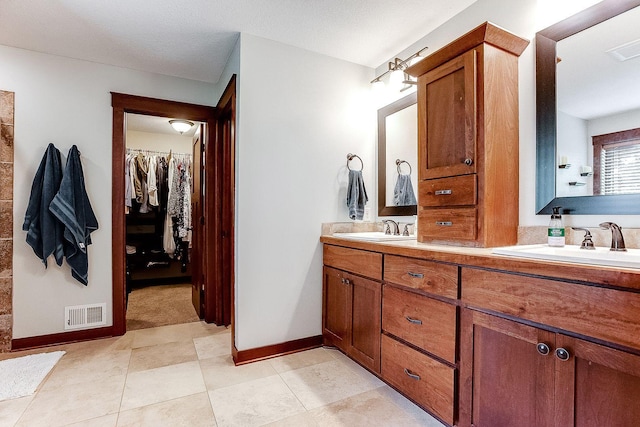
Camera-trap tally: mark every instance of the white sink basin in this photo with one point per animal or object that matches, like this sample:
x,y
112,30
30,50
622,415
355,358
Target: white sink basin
x,y
372,236
572,253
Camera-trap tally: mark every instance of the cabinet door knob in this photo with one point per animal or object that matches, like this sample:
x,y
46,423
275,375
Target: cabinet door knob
x,y
468,162
411,374
416,275
562,354
543,348
412,320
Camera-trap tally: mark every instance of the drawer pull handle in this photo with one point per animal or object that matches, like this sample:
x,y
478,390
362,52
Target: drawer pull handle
x,y
443,192
412,320
444,223
411,374
416,275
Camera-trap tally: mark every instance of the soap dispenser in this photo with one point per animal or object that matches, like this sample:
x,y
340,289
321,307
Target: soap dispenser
x,y
555,234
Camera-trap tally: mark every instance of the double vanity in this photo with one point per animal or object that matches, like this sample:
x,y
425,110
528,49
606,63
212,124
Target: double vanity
x,y
475,330
478,338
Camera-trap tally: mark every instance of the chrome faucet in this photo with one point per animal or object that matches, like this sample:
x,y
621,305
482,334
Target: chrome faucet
x,y
617,240
396,227
587,241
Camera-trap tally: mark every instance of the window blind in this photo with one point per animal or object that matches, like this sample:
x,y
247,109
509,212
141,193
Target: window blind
x,y
620,165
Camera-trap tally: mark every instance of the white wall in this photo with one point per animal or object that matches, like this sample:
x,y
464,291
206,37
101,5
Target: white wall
x,y
66,102
574,144
301,113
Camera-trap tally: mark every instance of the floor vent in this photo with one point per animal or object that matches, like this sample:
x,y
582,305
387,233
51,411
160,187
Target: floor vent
x,y
82,316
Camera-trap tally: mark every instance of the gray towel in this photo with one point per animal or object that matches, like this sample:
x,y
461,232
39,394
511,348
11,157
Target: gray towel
x,y
71,206
356,195
403,194
44,231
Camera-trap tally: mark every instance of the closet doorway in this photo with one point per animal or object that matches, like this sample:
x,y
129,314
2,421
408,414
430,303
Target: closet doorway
x,y
206,260
162,190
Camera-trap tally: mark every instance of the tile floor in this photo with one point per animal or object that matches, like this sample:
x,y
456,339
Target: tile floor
x,y
183,375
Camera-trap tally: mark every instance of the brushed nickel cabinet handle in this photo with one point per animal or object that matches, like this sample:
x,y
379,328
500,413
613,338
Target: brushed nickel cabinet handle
x,y
444,223
411,374
416,275
562,354
414,321
443,192
543,349
468,162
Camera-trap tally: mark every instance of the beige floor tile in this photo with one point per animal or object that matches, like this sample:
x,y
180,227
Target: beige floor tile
x,y
325,383
213,345
219,371
73,403
411,409
160,355
92,368
301,359
202,329
161,384
84,349
161,335
188,411
254,403
366,409
106,421
11,410
304,419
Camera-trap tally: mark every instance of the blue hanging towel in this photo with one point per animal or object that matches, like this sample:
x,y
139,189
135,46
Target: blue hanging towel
x,y
356,195
44,231
403,194
72,208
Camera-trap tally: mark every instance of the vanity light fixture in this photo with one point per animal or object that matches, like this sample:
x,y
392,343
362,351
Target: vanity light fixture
x,y
181,125
397,69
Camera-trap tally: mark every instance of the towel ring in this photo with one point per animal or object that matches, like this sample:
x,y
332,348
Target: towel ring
x,y
399,162
351,157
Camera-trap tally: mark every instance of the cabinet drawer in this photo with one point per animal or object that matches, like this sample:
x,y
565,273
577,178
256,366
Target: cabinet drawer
x,y
355,261
427,276
608,314
439,224
421,321
454,191
423,379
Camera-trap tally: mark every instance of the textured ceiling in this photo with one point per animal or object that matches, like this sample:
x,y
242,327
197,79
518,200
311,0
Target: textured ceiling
x,y
194,38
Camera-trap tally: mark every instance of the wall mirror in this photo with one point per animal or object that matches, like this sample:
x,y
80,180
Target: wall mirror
x,y
582,90
397,155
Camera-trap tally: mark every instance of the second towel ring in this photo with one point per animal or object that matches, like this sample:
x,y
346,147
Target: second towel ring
x,y
399,162
351,157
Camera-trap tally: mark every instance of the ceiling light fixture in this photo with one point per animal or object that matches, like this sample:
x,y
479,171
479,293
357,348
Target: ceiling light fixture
x,y
398,68
181,125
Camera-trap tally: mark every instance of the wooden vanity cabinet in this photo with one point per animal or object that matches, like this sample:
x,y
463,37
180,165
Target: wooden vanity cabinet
x,y
351,308
468,140
542,352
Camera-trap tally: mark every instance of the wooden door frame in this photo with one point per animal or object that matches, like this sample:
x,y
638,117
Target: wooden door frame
x,y
123,103
224,148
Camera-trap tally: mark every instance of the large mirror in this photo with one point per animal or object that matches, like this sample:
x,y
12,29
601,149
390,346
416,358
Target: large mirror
x,y
587,92
398,157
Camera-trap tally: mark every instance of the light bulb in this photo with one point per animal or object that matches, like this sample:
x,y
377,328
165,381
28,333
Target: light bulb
x,y
395,79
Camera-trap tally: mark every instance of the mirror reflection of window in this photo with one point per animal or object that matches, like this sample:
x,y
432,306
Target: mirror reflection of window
x,y
617,162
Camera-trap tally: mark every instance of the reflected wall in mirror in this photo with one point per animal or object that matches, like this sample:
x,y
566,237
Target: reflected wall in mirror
x,y
398,141
584,91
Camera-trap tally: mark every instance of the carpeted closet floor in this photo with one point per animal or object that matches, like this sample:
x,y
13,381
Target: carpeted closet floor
x,y
154,306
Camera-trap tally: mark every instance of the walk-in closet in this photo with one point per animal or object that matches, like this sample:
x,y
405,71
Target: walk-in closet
x,y
158,175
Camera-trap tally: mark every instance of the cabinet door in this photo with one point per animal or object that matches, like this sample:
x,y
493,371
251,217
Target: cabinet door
x,y
596,386
366,322
506,379
447,114
336,306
